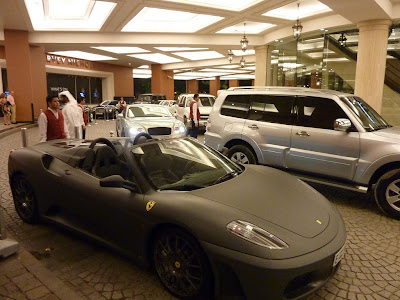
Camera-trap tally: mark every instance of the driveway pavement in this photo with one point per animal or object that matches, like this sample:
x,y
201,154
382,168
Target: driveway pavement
x,y
55,264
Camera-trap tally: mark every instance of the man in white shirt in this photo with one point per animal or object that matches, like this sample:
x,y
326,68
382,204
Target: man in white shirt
x,y
72,114
10,98
51,122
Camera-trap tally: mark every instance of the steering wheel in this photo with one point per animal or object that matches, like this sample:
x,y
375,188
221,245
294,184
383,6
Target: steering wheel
x,y
103,141
141,138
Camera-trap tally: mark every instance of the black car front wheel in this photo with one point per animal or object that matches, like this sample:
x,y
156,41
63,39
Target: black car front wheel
x,y
387,193
24,199
181,265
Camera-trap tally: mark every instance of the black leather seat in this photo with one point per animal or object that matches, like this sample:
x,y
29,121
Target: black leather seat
x,y
86,163
107,163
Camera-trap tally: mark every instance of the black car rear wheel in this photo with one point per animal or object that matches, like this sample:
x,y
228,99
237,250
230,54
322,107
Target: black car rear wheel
x,y
181,265
24,199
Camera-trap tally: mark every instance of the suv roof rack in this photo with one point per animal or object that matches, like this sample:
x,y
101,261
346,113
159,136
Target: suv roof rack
x,y
287,88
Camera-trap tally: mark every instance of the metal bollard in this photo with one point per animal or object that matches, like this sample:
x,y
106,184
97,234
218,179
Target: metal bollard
x,y
111,133
95,118
107,112
24,137
76,132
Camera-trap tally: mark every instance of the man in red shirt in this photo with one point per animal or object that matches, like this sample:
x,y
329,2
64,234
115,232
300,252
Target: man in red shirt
x,y
81,104
194,116
121,104
51,122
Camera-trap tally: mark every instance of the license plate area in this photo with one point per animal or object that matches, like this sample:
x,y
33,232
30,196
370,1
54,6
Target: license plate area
x,y
339,255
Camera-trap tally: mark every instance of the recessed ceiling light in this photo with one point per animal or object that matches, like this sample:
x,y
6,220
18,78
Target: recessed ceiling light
x,y
83,55
74,15
144,67
166,20
238,76
235,5
202,74
229,66
141,76
222,71
251,28
241,53
157,58
171,49
122,50
292,12
252,68
198,55
335,59
141,71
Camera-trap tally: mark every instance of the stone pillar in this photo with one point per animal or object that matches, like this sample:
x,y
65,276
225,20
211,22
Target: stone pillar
x,y
371,61
233,83
162,82
215,86
275,75
26,73
192,86
263,66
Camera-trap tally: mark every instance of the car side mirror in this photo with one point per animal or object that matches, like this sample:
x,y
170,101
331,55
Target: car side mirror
x,y
342,124
117,181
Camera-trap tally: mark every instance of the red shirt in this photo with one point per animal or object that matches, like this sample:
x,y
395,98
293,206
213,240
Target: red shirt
x,y
84,114
191,111
55,128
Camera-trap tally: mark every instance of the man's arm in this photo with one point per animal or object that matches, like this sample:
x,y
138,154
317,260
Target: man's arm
x,y
42,123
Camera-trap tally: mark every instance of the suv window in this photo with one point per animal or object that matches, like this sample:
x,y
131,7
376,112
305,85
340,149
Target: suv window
x,y
318,112
273,109
236,106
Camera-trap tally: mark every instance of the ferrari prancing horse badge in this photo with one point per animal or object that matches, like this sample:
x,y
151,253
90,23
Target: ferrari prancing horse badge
x,y
150,205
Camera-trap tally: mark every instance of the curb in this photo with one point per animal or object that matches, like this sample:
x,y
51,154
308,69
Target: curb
x,y
9,131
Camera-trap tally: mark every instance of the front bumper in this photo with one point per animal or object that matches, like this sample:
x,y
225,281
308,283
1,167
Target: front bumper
x,y
240,274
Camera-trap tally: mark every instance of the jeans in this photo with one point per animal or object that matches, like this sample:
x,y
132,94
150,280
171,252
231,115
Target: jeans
x,y
194,131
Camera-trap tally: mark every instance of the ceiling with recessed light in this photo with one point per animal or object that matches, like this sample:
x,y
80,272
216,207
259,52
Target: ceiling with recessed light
x,y
187,36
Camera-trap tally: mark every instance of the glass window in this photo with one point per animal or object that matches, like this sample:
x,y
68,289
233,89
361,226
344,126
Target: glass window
x,y
273,109
319,112
147,111
236,106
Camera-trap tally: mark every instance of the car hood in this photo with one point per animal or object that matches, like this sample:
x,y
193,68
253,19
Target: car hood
x,y
205,110
153,122
391,133
275,197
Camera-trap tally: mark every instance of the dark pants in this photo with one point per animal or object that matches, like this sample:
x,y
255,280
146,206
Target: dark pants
x,y
195,130
83,133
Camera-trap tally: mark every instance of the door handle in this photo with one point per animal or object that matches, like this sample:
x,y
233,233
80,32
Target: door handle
x,y
67,172
253,126
302,133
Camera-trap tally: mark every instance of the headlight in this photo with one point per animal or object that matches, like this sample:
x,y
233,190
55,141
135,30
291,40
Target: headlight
x,y
179,129
136,130
255,235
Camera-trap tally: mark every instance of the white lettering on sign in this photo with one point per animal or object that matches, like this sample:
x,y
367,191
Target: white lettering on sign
x,y
59,60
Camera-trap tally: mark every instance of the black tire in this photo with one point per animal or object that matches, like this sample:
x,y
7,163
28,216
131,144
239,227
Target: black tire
x,y
24,199
181,265
387,193
241,154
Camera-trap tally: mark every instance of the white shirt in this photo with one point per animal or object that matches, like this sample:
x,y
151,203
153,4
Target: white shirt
x,y
11,99
42,122
194,111
73,117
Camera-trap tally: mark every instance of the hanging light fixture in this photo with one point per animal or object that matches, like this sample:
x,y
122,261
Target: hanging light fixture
x,y
297,27
342,40
244,41
242,62
230,55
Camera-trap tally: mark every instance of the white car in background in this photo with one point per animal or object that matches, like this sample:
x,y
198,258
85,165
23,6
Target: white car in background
x,y
171,105
183,108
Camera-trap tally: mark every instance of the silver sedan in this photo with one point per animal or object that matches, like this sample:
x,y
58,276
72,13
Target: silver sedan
x,y
152,119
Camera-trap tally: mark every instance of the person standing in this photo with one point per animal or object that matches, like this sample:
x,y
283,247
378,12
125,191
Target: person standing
x,y
72,114
121,104
13,107
85,120
51,122
194,116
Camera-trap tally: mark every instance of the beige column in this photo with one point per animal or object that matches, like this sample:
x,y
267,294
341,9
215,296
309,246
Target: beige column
x,y
162,82
215,86
371,61
263,66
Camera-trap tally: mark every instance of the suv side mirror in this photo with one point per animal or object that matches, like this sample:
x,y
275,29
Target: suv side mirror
x,y
342,124
118,181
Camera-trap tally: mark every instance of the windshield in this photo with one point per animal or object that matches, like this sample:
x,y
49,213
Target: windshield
x,y
148,111
183,164
105,102
365,114
204,101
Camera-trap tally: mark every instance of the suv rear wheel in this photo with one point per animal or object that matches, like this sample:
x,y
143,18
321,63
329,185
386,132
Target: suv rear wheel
x,y
387,193
242,154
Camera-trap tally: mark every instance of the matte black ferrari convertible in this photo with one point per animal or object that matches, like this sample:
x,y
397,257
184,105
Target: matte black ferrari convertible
x,y
209,227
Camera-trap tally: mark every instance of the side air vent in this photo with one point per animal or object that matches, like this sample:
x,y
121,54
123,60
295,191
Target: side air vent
x,y
46,160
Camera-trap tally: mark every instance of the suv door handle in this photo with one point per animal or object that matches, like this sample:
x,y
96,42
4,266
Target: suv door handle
x,y
302,133
253,126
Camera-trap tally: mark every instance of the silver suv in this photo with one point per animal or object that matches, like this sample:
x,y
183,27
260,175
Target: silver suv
x,y
320,135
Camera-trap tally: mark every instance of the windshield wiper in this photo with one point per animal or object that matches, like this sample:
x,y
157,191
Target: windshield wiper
x,y
183,187
226,177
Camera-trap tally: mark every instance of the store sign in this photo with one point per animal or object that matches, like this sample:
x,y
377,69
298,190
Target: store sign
x,y
61,60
